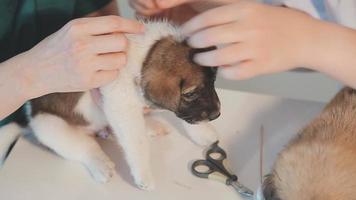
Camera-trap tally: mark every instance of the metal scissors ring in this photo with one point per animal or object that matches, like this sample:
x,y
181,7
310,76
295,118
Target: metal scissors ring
x,y
214,168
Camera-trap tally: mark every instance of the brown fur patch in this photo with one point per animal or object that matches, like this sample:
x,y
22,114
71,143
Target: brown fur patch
x,y
172,81
60,104
319,164
167,63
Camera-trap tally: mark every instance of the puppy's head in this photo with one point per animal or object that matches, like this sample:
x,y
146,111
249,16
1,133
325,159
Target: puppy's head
x,y
171,80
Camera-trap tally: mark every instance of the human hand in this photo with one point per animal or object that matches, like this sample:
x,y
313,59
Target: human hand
x,y
86,53
153,7
254,39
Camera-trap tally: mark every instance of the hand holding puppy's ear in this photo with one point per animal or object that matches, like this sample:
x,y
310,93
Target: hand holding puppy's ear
x,y
253,38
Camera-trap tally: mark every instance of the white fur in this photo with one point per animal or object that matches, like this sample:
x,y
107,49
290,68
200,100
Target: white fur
x,y
122,111
91,112
8,134
73,143
202,134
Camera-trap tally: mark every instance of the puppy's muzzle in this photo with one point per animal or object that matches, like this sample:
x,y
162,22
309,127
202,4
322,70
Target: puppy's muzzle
x,y
206,108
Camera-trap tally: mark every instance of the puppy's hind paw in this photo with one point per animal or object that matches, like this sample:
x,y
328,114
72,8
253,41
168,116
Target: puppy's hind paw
x,y
156,127
101,168
157,131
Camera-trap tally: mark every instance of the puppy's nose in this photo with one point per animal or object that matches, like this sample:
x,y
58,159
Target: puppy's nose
x,y
213,115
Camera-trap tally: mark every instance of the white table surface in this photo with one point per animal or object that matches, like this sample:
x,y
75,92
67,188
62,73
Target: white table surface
x,y
32,172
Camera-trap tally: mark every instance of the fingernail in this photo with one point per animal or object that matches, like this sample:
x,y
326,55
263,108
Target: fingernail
x,y
228,73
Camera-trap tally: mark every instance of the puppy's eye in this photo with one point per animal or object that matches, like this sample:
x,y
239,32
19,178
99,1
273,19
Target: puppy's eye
x,y
190,94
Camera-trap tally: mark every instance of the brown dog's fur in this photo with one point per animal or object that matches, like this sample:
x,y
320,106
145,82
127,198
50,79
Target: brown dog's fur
x,y
60,104
319,164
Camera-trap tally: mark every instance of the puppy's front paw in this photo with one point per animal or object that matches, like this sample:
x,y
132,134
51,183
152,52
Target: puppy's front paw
x,y
100,167
203,134
145,181
205,139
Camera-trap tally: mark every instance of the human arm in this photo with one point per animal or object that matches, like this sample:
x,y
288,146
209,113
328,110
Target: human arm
x,y
84,54
259,39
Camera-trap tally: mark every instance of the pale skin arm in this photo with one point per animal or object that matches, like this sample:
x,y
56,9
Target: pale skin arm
x,y
333,52
78,57
260,39
13,90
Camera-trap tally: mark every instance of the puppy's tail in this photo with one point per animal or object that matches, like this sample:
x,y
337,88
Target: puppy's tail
x,y
8,135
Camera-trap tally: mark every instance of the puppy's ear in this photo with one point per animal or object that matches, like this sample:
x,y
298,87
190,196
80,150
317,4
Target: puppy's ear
x,y
269,189
194,51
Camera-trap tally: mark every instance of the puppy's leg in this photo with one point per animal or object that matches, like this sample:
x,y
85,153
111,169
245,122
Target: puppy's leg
x,y
202,134
123,110
73,143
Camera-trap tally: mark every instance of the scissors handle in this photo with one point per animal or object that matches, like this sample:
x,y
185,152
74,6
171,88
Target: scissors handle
x,y
217,156
214,168
202,168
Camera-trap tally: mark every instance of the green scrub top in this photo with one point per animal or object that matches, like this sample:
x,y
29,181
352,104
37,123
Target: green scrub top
x,y
24,23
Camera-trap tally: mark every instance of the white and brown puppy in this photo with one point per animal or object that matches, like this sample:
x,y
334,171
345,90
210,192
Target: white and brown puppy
x,y
319,164
159,72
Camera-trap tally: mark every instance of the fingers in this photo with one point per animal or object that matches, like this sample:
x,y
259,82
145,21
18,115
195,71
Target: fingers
x,y
218,35
109,43
152,7
112,61
164,4
145,7
210,18
224,56
244,70
105,25
147,12
148,4
104,77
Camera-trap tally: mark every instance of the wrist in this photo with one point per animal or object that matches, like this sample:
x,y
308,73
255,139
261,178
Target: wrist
x,y
331,46
10,81
307,44
27,82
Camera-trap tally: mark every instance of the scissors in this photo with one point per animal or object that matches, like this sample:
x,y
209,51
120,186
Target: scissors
x,y
214,168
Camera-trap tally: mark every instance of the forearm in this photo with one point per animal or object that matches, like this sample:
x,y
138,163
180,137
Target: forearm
x,y
333,52
14,91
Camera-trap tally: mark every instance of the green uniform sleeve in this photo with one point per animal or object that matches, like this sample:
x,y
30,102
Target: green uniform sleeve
x,y
84,7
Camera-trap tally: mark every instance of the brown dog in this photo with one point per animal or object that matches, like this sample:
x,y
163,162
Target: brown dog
x,y
319,164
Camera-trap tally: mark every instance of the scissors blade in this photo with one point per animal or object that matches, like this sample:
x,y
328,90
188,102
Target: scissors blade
x,y
243,190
